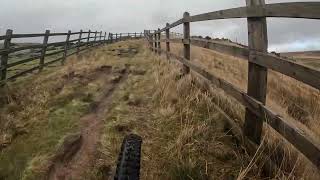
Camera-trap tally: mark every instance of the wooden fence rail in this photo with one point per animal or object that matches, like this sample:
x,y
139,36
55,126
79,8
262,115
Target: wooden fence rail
x,y
259,61
67,47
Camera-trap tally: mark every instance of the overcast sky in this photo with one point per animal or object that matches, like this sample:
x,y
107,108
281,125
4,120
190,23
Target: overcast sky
x,y
34,16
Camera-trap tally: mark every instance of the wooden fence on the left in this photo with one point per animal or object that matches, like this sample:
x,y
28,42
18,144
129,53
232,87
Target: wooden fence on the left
x,y
62,49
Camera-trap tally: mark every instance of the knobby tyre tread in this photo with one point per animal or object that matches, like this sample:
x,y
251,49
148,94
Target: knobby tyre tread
x,y
128,167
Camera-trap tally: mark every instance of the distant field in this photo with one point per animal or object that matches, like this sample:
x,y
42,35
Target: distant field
x,y
308,58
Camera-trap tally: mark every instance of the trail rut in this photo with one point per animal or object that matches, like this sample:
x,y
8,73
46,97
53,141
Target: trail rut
x,y
91,126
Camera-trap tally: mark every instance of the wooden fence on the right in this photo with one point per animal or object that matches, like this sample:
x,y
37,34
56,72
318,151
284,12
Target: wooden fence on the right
x,y
259,61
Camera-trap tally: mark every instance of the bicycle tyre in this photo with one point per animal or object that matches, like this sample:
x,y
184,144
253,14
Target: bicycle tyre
x,y
128,167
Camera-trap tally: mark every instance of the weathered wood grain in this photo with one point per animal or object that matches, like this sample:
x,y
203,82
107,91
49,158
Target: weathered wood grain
x,y
308,10
54,53
177,23
23,73
4,57
186,46
88,38
66,46
159,42
79,41
12,50
167,39
23,61
236,51
58,34
299,72
257,75
44,49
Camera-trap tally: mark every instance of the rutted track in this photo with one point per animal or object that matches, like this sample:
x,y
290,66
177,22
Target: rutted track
x,y
85,147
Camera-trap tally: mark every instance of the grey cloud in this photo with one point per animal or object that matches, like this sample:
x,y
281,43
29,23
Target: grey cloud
x,y
136,15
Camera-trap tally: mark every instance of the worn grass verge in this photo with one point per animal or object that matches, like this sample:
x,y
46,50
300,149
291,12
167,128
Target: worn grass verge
x,y
38,111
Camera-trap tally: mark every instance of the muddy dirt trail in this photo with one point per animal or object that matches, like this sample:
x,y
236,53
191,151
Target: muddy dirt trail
x,y
81,151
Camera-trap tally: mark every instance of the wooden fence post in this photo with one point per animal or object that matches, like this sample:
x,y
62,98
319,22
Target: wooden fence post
x,y
104,38
116,37
111,38
100,38
148,34
88,40
135,35
257,75
155,42
168,40
186,43
95,38
44,49
5,57
79,42
159,43
66,46
120,37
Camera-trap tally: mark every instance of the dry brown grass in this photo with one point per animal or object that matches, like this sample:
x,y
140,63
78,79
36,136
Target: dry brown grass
x,y
38,110
184,135
293,100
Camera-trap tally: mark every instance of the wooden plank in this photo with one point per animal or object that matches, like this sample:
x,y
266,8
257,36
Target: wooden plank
x,y
239,52
111,37
44,49
222,14
53,61
75,33
186,36
73,40
27,35
23,61
56,44
95,38
104,38
167,39
257,75
308,10
100,37
23,73
298,135
79,41
299,72
12,50
58,34
155,43
177,23
158,41
88,39
5,57
66,46
54,53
